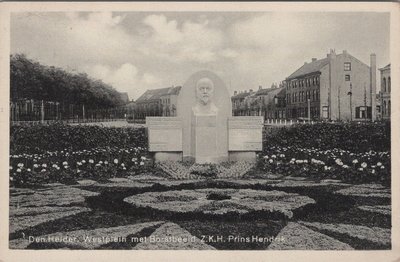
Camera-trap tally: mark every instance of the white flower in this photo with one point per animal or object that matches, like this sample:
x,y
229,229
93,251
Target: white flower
x,y
83,161
106,162
293,159
143,158
19,170
364,165
29,170
78,171
382,167
271,161
43,170
282,155
100,162
97,164
44,165
134,159
305,161
373,171
345,166
379,164
91,161
122,164
355,161
65,163
11,178
124,168
339,161
20,165
11,167
265,157
35,165
79,163
273,156
141,163
58,168
66,167
115,161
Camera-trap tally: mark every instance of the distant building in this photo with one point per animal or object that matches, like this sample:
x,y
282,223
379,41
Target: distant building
x,y
338,87
384,93
267,102
239,107
124,97
157,102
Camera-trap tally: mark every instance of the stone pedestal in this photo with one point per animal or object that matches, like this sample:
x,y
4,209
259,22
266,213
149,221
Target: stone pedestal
x,y
205,138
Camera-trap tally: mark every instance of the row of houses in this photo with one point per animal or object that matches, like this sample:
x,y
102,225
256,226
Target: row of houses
x,y
336,87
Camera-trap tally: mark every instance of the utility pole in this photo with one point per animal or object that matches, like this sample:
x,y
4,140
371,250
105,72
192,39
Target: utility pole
x,y
350,93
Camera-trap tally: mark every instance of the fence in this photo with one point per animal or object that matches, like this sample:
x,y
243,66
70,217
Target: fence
x,y
29,111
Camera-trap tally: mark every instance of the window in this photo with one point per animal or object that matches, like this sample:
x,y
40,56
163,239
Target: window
x,y
317,95
317,80
325,112
363,112
347,66
389,84
384,84
347,77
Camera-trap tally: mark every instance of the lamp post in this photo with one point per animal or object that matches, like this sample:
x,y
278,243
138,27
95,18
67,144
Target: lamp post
x,y
350,94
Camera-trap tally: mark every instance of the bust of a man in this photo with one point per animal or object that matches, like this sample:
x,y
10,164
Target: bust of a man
x,y
204,98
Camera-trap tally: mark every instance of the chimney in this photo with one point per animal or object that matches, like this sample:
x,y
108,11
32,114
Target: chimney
x,y
314,59
373,85
251,90
259,87
234,93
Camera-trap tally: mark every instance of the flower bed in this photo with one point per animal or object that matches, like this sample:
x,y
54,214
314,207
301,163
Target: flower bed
x,y
62,153
239,201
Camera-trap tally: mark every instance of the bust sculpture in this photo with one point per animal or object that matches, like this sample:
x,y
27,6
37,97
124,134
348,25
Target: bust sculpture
x,y
204,98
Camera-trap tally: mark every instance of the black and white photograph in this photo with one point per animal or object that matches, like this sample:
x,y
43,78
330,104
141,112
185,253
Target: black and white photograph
x,y
200,129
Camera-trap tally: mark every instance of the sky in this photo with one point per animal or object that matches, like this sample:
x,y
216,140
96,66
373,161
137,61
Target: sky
x,y
136,51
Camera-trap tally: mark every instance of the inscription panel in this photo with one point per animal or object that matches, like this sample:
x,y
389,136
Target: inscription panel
x,y
165,134
245,133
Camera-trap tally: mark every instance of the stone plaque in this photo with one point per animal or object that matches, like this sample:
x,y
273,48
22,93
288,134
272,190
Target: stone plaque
x,y
165,134
245,133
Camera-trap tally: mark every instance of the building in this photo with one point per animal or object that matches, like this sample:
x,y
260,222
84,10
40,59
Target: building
x,y
384,93
124,97
157,102
337,87
267,102
239,107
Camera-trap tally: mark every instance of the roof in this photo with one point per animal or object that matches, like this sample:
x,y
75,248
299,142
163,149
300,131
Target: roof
x,y
155,94
386,67
241,95
124,97
308,68
268,91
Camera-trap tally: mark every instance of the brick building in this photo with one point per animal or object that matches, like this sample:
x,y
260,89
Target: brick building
x,y
337,87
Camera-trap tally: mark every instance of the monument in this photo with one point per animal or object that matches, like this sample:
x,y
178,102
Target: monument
x,y
204,130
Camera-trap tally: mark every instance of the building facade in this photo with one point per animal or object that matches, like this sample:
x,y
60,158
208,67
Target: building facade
x,y
157,102
384,93
268,102
338,87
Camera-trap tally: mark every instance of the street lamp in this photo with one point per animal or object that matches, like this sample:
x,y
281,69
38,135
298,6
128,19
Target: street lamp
x,y
350,94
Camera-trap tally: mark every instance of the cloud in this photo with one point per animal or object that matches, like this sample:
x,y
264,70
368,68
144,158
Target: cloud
x,y
126,77
190,42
